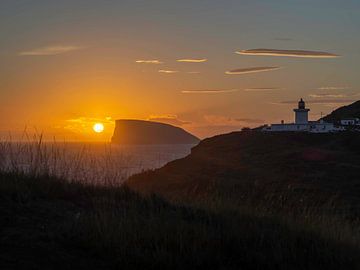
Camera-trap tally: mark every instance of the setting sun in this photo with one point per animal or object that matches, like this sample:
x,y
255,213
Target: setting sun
x,y
98,127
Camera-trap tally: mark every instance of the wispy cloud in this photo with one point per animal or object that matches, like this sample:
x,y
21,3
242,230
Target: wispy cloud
x,y
327,95
262,89
50,50
84,124
156,62
192,60
333,88
319,101
212,91
288,53
168,119
168,71
331,95
250,120
241,71
220,120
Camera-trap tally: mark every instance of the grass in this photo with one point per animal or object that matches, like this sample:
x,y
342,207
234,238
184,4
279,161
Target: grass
x,y
49,222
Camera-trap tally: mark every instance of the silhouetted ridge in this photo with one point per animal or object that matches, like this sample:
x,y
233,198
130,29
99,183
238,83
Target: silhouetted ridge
x,y
147,132
349,111
264,168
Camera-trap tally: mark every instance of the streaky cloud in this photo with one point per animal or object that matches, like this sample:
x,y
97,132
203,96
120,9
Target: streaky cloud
x,y
193,72
288,53
333,88
168,71
169,119
200,60
50,50
156,62
328,95
250,120
241,71
213,91
262,89
320,101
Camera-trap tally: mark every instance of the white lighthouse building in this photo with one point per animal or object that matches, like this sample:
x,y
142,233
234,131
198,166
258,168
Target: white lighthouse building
x,y
302,123
301,113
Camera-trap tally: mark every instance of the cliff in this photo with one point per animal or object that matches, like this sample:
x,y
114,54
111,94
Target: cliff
x,y
147,132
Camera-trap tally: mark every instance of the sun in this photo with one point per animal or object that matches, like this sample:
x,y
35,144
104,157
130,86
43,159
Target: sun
x,y
98,127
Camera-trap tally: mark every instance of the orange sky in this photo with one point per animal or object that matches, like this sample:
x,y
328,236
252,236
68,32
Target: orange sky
x,y
64,68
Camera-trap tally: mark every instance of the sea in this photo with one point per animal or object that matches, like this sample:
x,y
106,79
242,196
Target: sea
x,y
96,163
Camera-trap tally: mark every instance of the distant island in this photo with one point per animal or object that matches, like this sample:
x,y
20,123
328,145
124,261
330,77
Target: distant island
x,y
137,132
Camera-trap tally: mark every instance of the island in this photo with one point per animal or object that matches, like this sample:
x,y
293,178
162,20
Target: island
x,y
139,132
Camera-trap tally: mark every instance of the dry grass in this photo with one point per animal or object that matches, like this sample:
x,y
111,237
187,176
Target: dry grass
x,y
51,222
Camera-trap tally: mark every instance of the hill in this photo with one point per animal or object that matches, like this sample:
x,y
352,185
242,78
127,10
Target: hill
x,y
277,170
148,132
349,111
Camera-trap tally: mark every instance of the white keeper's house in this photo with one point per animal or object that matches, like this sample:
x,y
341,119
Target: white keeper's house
x,y
302,123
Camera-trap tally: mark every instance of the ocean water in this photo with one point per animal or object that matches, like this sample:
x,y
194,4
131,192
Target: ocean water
x,y
98,163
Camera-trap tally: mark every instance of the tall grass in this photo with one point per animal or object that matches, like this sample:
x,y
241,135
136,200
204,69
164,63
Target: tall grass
x,y
95,163
64,209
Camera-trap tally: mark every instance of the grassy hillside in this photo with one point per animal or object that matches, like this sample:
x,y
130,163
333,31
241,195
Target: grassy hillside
x,y
294,171
349,111
49,223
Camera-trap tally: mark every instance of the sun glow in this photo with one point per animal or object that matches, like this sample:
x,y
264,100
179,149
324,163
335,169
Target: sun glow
x,y
98,127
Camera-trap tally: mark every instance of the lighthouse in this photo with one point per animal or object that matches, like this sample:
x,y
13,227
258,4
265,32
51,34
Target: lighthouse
x,y
302,123
301,113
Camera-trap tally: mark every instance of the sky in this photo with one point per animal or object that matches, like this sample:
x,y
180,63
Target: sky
x,y
209,67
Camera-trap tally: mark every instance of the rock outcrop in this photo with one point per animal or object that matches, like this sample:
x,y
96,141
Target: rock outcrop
x,y
147,132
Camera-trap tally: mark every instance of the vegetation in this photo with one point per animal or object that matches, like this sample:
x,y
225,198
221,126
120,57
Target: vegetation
x,y
349,111
279,171
213,217
52,224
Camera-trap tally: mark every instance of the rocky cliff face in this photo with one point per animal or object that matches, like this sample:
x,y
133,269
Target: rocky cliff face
x,y
147,132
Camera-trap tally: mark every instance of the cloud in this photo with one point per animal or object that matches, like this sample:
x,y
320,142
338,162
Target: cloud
x,y
214,91
333,88
327,95
168,71
51,50
288,53
250,120
220,120
320,101
262,89
156,62
168,119
84,124
200,60
241,71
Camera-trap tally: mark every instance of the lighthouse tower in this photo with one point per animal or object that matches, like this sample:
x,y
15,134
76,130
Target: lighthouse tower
x,y
301,113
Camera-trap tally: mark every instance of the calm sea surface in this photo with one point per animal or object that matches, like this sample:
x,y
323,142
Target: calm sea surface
x,y
90,162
